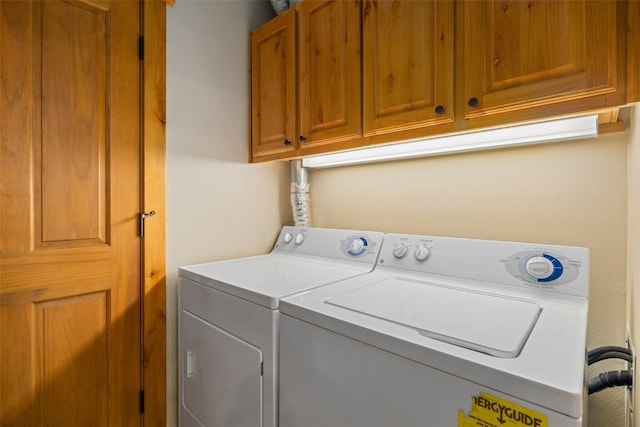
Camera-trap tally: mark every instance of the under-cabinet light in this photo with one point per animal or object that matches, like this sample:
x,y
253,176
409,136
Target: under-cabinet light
x,y
535,133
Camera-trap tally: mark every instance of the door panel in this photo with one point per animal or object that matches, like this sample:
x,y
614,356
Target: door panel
x,y
74,85
70,195
73,330
18,118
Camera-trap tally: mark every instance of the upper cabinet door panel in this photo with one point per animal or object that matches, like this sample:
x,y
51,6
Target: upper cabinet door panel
x,y
408,64
532,53
273,87
330,71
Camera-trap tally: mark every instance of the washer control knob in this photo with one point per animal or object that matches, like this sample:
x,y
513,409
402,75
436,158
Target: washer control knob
x,y
539,267
288,237
357,246
299,238
400,250
422,253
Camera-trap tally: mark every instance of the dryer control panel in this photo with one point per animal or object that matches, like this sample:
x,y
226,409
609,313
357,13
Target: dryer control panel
x,y
348,245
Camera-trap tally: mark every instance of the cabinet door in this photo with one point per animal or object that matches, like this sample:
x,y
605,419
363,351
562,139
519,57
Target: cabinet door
x,y
273,88
527,59
408,64
330,72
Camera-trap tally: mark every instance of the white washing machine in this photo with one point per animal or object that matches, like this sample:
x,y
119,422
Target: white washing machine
x,y
444,332
229,318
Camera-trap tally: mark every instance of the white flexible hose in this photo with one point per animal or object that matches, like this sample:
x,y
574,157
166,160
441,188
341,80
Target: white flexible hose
x,y
300,195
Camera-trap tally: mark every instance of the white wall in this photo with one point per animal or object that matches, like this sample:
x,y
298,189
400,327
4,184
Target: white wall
x,y
572,193
218,206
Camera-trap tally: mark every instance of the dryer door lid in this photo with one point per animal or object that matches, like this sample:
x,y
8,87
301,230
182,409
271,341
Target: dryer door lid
x,y
492,324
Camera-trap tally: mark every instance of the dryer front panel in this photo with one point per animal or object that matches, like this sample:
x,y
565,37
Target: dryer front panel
x,y
221,380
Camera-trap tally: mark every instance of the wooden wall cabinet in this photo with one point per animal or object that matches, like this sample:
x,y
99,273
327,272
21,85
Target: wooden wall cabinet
x,y
306,80
273,88
530,59
433,67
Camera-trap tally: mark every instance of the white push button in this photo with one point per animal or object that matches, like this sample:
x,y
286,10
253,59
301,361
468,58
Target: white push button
x,y
299,238
288,237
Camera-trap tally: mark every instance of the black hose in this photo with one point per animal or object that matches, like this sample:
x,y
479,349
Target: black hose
x,y
609,355
610,379
608,348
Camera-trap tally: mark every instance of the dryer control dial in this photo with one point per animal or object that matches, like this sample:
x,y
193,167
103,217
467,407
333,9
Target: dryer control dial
x,y
357,246
400,250
288,237
299,238
422,253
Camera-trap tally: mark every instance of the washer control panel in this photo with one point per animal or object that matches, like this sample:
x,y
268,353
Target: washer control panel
x,y
363,246
406,251
562,269
542,267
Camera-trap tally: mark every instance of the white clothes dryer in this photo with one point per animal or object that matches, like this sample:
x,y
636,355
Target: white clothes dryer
x,y
229,319
444,332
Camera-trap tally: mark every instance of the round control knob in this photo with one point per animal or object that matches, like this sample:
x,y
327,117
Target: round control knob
x,y
399,250
299,238
288,237
422,253
539,267
357,247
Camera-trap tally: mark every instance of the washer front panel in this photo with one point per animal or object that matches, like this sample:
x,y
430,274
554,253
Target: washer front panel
x,y
329,380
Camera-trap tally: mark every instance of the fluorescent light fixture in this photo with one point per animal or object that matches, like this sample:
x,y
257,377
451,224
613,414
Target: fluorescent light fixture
x,y
535,133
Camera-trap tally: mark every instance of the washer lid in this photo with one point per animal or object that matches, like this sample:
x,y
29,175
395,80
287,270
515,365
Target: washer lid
x,y
495,325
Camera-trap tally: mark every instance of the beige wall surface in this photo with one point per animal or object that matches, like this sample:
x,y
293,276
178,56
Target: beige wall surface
x,y
571,193
633,263
218,206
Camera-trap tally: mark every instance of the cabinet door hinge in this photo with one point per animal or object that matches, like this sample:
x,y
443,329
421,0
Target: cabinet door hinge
x,y
141,48
142,401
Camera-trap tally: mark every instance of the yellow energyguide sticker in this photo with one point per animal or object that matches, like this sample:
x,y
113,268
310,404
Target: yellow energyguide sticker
x,y
491,411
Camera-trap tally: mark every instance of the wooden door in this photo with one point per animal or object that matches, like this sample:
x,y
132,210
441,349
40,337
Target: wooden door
x,y
273,89
539,58
70,287
408,64
329,74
